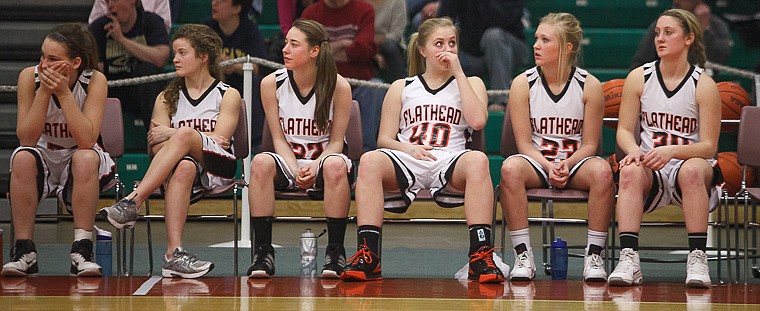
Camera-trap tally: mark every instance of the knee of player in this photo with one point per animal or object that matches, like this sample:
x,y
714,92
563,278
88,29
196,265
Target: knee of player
x,y
632,176
84,160
334,169
692,174
602,173
262,166
24,161
371,163
510,169
184,171
476,162
184,135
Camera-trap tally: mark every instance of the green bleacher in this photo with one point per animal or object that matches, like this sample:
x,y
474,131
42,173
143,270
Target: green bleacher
x,y
601,13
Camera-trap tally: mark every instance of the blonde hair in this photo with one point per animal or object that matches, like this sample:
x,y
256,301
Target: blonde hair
x,y
689,24
568,31
418,39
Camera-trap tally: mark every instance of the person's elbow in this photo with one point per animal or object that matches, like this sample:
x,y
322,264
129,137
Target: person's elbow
x,y
478,123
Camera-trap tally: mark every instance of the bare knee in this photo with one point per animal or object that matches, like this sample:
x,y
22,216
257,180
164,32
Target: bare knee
x,y
476,164
262,167
84,163
693,173
184,173
601,173
333,170
632,177
371,163
511,173
184,136
24,162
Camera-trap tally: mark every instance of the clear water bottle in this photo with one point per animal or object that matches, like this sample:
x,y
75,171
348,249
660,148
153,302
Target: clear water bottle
x,y
103,251
308,254
559,259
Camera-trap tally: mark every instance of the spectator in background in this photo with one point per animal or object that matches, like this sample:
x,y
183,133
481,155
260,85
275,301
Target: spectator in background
x,y
241,37
390,23
715,39
492,43
420,10
290,10
351,25
160,7
132,43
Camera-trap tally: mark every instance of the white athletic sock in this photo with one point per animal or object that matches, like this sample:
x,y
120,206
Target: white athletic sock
x,y
81,234
597,238
520,236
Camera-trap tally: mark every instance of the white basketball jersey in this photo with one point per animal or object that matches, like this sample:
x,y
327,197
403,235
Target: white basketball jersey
x,y
556,120
668,117
433,117
200,114
297,118
55,134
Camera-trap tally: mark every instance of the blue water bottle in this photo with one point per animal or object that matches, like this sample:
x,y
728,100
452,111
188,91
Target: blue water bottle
x,y
103,251
559,259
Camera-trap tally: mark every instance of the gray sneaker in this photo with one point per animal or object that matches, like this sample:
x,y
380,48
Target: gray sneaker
x,y
122,214
184,264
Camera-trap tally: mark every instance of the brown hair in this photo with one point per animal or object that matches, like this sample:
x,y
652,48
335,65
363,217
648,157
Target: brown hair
x,y
569,31
205,42
689,24
327,72
418,39
79,42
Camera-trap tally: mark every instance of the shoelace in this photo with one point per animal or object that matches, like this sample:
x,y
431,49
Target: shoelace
x,y
695,263
260,255
626,260
485,253
522,259
596,261
362,253
334,254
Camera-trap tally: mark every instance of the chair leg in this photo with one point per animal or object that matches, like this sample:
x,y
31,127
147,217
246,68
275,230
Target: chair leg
x,y
119,271
150,237
235,192
544,232
503,224
746,236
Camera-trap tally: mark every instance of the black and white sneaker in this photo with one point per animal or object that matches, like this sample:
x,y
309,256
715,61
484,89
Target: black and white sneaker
x,y
23,260
262,264
335,262
82,263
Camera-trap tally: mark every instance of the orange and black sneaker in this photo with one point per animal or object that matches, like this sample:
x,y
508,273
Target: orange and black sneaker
x,y
362,266
482,267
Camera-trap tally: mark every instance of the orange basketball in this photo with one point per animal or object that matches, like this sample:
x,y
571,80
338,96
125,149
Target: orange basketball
x,y
732,99
732,172
612,90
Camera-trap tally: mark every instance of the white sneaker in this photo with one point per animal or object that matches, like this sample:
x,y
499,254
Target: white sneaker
x,y
697,271
628,270
593,268
524,268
